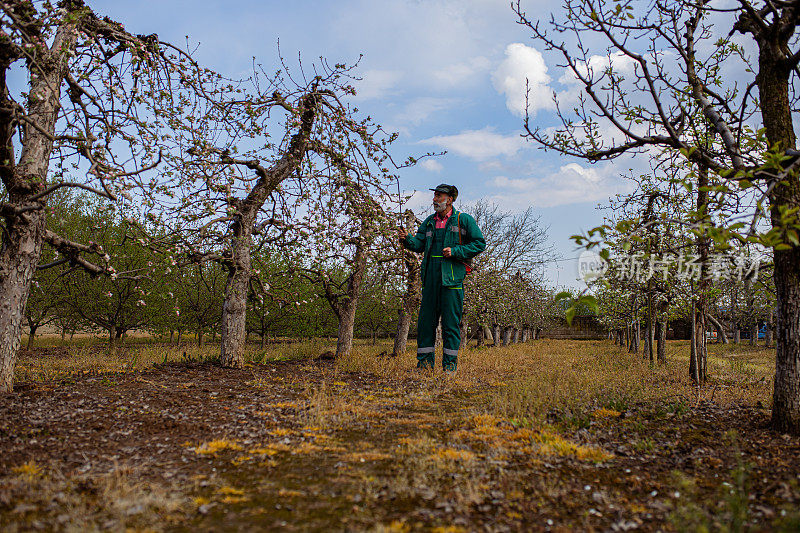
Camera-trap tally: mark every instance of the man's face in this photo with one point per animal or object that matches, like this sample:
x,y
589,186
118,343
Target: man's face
x,y
441,201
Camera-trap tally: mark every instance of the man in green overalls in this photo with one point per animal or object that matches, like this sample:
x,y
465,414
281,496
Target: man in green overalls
x,y
450,239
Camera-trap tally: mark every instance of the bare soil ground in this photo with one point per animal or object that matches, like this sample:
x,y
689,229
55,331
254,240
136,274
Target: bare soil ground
x,y
370,444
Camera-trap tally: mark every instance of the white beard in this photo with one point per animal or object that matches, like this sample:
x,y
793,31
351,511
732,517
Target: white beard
x,y
440,207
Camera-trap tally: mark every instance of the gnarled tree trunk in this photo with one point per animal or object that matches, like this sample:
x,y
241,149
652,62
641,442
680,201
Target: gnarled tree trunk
x,y
411,298
24,233
345,308
721,335
507,336
234,306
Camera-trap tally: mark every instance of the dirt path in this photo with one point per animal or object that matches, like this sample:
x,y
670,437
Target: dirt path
x,y
302,446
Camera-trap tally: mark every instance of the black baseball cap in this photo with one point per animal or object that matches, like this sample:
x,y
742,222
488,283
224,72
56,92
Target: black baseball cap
x,y
452,190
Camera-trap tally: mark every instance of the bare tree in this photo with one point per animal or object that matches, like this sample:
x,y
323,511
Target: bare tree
x,y
669,104
88,80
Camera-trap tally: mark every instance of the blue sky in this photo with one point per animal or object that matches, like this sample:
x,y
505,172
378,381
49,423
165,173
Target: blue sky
x,y
446,74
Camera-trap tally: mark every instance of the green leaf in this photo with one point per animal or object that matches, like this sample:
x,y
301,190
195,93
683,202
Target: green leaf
x,y
591,302
563,295
570,314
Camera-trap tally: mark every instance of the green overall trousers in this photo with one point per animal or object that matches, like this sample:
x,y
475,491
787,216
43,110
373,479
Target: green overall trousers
x,y
439,301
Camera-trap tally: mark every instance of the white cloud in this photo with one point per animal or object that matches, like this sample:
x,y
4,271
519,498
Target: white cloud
x,y
441,45
376,83
431,165
621,64
458,73
479,144
597,65
523,70
571,184
420,109
421,202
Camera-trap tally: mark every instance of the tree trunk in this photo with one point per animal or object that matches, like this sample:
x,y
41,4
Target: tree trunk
x,y
506,336
464,335
721,335
403,327
180,334
347,321
31,336
23,235
776,111
753,333
486,334
650,326
693,366
786,395
496,335
633,345
661,353
412,295
234,306
768,332
663,323
737,336
347,308
199,337
699,359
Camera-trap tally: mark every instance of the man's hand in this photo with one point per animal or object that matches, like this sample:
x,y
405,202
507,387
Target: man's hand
x,y
447,252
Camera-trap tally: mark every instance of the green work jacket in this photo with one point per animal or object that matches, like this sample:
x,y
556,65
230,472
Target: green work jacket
x,y
453,268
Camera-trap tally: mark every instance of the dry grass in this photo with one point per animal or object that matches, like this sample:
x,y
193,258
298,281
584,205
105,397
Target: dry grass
x,y
503,406
48,500
91,354
576,378
570,379
86,357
